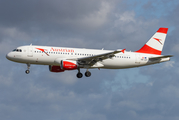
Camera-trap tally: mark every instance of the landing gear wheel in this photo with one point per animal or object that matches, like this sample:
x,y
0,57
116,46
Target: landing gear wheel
x,y
27,71
79,75
87,73
28,67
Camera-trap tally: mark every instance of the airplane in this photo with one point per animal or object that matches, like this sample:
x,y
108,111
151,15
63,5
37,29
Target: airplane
x,y
60,59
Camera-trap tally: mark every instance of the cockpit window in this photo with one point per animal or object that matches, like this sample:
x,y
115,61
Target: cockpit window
x,y
17,50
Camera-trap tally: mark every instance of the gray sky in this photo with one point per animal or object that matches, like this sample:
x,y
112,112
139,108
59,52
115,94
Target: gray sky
x,y
144,93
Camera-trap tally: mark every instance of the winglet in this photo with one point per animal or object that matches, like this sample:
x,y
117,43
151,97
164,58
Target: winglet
x,y
123,50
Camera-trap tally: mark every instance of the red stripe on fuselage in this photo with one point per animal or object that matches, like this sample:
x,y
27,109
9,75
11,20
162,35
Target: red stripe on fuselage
x,y
149,50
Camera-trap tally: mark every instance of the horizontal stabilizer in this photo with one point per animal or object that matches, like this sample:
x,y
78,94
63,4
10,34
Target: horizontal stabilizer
x,y
160,57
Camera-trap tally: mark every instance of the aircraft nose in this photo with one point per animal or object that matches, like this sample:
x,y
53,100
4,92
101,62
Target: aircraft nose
x,y
8,56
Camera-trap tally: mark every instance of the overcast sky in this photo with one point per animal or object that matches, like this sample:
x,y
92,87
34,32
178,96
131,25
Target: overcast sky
x,y
145,93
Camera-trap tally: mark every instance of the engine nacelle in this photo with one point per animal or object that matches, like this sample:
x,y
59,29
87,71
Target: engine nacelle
x,y
53,68
69,65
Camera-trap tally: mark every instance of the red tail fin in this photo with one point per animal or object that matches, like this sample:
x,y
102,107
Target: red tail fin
x,y
156,43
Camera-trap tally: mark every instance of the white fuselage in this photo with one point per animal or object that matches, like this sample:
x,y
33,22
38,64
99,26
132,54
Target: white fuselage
x,y
44,55
60,59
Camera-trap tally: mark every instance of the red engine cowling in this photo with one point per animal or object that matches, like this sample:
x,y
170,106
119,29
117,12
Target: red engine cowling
x,y
68,65
53,68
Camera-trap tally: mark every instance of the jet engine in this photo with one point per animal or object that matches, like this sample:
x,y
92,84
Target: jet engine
x,y
68,65
53,68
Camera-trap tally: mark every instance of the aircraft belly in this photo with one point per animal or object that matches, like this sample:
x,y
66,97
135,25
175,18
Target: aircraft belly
x,y
36,59
118,63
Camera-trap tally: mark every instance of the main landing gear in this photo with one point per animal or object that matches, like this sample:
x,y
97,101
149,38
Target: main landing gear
x,y
80,75
87,73
28,67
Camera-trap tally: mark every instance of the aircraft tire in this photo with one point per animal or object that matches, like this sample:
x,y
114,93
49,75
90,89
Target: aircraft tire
x,y
79,75
27,71
87,73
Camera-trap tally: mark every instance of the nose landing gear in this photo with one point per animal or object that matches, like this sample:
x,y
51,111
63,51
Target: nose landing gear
x,y
28,67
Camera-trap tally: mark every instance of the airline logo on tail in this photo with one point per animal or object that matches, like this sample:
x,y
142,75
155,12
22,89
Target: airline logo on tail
x,y
159,40
151,47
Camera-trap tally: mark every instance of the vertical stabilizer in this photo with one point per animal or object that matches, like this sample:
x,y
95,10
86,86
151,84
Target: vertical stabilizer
x,y
156,43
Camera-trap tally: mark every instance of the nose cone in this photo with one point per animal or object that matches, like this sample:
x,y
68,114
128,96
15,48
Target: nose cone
x,y
9,56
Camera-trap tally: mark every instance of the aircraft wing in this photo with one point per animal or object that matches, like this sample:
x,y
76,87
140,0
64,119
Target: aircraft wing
x,y
96,58
160,57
